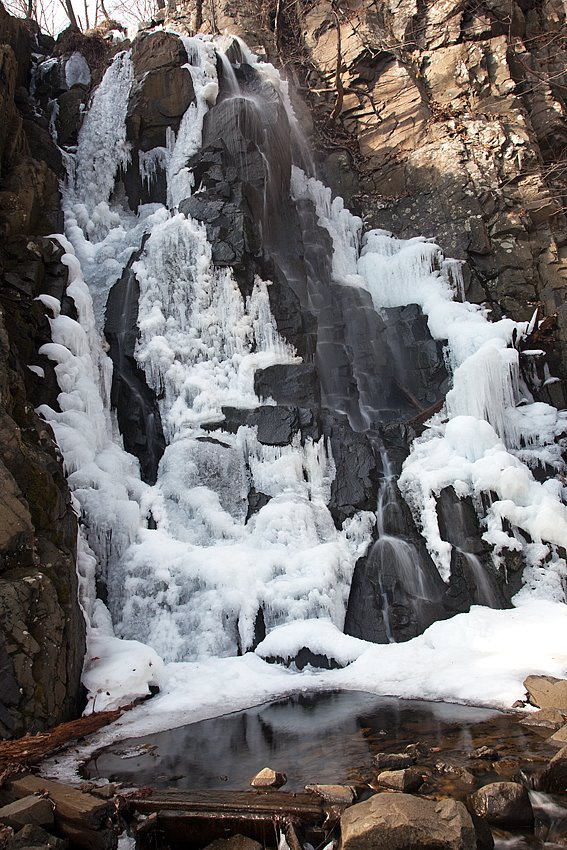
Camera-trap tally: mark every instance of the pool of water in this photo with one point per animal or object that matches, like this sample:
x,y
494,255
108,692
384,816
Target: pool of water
x,y
327,738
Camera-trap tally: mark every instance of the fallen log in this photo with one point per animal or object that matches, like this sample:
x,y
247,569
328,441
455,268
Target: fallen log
x,y
265,803
193,819
32,749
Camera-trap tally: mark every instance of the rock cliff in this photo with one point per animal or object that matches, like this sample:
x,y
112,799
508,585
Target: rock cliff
x,y
41,626
445,119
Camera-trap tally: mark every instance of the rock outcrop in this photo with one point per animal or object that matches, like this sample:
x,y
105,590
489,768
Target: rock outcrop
x,y
443,119
41,625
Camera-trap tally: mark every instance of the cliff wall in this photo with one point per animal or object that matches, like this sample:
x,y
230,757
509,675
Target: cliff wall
x,y
445,119
41,625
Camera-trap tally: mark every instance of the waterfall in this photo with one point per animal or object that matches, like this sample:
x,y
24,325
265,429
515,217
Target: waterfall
x,y
267,352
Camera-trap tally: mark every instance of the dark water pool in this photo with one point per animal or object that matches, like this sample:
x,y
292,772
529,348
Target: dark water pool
x,y
325,738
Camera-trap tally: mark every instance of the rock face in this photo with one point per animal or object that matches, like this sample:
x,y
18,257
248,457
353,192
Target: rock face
x,y
555,775
447,120
398,821
41,626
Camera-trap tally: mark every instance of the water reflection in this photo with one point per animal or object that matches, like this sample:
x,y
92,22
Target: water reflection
x,y
327,738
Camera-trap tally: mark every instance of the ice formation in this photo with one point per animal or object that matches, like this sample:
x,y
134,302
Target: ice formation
x,y
187,571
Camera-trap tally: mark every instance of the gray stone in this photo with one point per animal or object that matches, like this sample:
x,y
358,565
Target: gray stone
x,y
393,761
338,794
505,804
291,384
407,780
545,719
400,821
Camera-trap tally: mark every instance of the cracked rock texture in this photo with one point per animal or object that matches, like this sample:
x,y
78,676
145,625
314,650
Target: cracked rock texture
x,y
453,114
41,625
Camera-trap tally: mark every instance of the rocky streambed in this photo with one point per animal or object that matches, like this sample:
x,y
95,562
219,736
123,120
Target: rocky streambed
x,y
362,771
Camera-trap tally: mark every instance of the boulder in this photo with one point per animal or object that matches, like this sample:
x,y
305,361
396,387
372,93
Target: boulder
x,y
504,804
547,692
268,778
27,810
400,821
407,780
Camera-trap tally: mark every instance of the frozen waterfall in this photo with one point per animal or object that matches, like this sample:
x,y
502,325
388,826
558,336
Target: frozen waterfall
x,y
261,340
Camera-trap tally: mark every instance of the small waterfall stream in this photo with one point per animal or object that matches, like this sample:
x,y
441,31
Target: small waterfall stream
x,y
272,368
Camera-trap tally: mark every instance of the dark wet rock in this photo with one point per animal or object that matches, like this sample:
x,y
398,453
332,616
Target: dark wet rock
x,y
135,403
355,486
305,657
489,753
31,835
473,581
458,522
399,821
289,384
504,804
27,810
407,780
158,101
69,116
152,51
256,501
396,592
554,777
235,842
393,761
276,424
229,223
41,626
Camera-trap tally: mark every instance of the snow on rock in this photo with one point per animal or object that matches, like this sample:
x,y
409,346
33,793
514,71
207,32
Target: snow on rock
x,y
117,672
320,636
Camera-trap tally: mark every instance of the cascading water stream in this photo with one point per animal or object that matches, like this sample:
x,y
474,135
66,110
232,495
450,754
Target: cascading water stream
x,y
264,336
